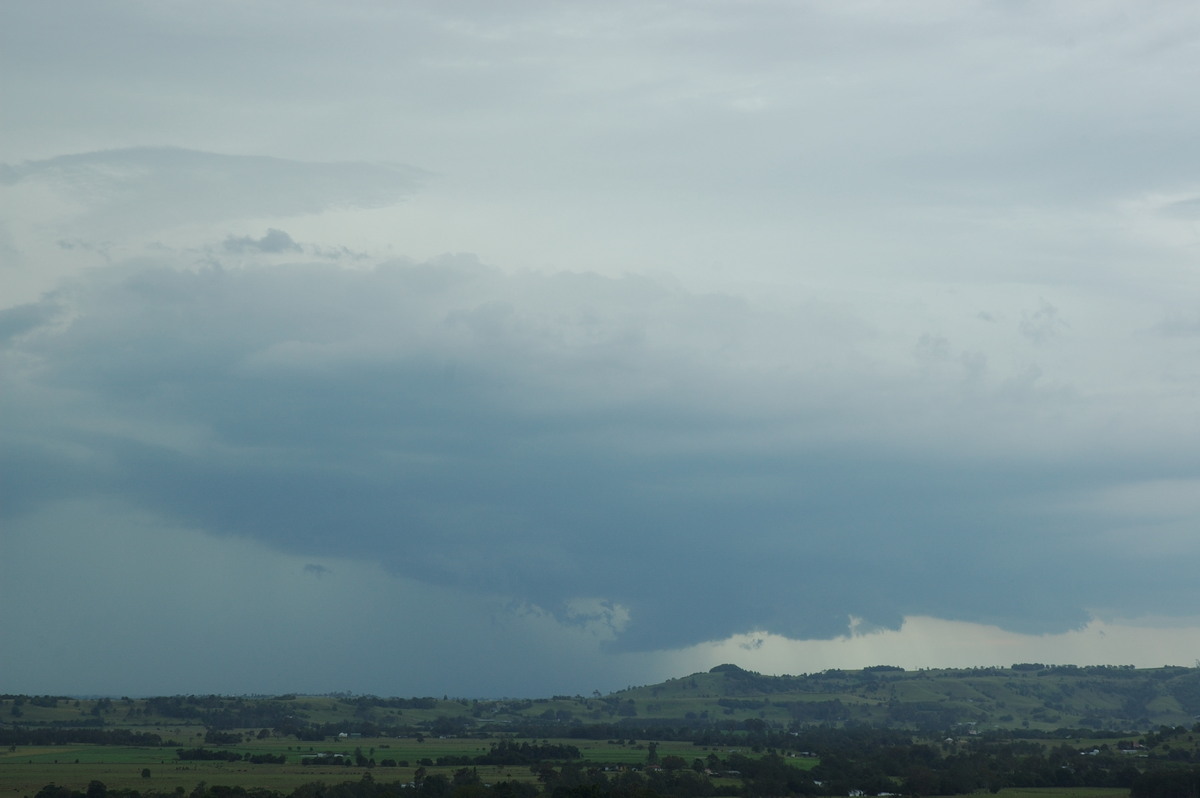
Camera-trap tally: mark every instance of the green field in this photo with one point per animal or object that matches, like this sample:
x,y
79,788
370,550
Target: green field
x,y
25,771
28,768
1062,792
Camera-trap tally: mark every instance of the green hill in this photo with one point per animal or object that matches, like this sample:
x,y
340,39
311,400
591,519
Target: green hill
x,y
1025,696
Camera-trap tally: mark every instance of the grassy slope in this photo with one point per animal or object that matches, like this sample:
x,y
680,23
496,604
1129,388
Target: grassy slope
x,y
1000,698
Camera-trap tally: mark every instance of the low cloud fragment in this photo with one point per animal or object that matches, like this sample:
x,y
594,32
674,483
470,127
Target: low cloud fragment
x,y
274,241
1042,325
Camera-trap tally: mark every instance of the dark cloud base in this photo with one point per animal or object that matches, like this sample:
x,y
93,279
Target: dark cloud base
x,y
545,437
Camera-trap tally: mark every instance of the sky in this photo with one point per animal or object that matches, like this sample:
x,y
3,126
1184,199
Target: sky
x,y
540,348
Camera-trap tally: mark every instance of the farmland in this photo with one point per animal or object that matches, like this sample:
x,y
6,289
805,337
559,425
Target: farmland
x,y
725,732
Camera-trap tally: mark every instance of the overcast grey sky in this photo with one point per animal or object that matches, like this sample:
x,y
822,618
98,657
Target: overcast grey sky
x,y
529,348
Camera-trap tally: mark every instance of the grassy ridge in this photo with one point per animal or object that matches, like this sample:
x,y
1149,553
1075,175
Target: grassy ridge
x,y
1035,697
1030,697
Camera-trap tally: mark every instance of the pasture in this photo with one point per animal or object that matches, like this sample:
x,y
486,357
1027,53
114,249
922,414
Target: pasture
x,y
27,769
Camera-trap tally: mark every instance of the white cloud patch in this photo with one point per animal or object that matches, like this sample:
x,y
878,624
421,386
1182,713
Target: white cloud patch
x,y
605,619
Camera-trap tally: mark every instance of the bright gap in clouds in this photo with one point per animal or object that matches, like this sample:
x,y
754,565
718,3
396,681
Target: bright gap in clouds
x,y
923,642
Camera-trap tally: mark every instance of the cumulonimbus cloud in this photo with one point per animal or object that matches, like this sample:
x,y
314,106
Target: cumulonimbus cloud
x,y
690,459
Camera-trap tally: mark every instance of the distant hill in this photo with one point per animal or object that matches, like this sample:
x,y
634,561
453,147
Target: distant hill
x,y
1029,696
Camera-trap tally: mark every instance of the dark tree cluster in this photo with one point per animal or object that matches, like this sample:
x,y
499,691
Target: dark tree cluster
x,y
216,755
509,752
63,735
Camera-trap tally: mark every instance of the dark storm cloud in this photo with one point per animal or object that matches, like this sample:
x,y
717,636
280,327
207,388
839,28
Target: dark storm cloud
x,y
560,436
